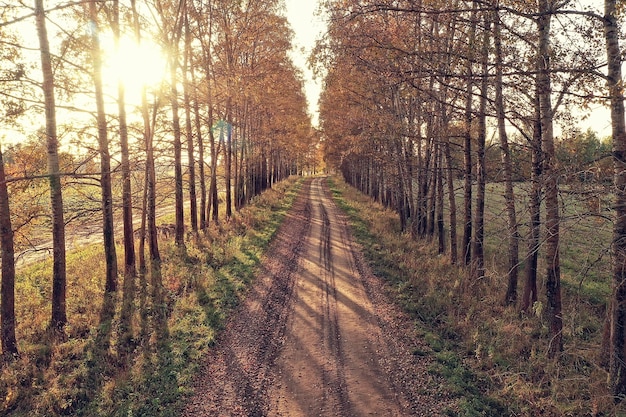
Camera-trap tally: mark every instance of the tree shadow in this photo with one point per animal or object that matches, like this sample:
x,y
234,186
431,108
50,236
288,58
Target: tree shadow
x,y
159,377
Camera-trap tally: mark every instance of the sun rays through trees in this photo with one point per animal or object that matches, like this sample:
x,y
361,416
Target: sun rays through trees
x,y
142,121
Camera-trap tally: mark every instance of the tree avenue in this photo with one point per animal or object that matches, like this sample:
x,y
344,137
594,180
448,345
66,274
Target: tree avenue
x,y
119,110
145,129
481,99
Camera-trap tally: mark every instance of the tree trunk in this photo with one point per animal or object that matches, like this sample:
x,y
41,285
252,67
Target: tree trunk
x,y
478,252
451,203
553,268
144,222
201,174
534,206
59,277
153,241
178,169
213,196
7,286
105,159
229,162
150,180
440,221
193,202
130,271
509,196
236,138
467,146
617,368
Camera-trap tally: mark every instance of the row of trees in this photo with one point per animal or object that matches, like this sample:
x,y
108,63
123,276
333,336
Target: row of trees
x,y
413,91
229,119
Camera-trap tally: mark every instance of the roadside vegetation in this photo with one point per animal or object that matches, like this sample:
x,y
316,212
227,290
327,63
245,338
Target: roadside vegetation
x,y
492,355
201,285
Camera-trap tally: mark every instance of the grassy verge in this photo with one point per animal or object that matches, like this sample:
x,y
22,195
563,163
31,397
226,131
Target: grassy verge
x,y
201,285
492,357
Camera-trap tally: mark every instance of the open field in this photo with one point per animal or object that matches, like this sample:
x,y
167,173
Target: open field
x,y
586,233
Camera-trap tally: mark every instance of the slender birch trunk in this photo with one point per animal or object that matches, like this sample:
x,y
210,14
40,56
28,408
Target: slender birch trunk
x,y
617,355
59,274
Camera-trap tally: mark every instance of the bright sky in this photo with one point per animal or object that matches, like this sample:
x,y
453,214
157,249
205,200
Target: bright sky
x,y
307,27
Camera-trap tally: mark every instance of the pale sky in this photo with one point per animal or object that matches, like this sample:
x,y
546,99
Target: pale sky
x,y
307,27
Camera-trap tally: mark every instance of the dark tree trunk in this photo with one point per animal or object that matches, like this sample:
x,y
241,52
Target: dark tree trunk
x,y
617,359
553,268
7,286
534,206
452,204
513,249
478,252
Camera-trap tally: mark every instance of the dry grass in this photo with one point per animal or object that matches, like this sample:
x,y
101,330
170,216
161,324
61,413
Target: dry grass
x,y
504,350
200,287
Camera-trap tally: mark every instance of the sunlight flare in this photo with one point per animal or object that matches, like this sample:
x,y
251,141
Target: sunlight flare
x,y
137,65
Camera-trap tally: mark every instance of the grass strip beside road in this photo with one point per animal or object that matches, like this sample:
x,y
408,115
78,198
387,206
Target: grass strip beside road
x,y
201,286
410,270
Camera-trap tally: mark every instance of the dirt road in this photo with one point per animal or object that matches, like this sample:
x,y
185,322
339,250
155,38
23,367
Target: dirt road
x,y
316,335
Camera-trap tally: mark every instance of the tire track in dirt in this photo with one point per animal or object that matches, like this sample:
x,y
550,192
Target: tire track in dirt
x,y
329,364
236,374
316,335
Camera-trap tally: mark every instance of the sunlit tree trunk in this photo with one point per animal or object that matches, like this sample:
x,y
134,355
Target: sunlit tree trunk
x,y
440,221
237,137
426,177
144,222
229,159
59,277
213,196
617,355
205,27
7,286
178,169
445,134
201,173
105,159
150,174
432,185
240,188
193,202
127,204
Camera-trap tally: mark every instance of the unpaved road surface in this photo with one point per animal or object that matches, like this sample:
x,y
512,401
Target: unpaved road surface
x,y
316,335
